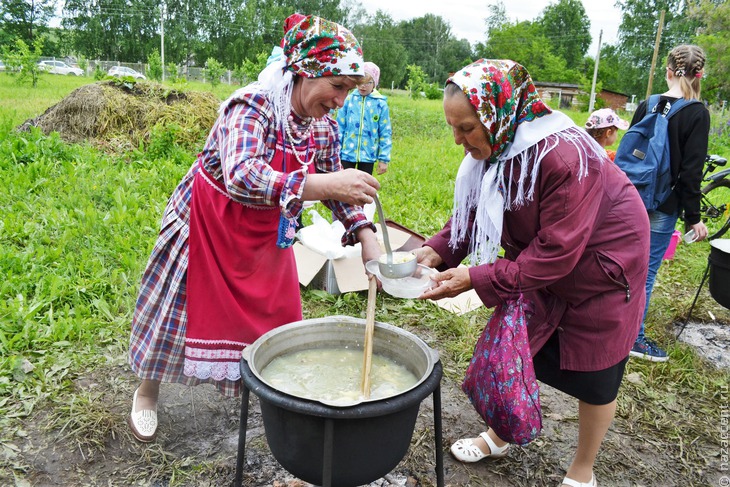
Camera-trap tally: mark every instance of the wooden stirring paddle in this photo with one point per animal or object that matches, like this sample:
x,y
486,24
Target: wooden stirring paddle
x,y
368,344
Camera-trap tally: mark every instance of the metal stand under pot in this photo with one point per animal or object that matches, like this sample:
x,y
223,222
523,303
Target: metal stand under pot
x,y
718,270
334,446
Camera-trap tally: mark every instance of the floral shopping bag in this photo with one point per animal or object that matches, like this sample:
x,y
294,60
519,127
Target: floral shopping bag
x,y
500,380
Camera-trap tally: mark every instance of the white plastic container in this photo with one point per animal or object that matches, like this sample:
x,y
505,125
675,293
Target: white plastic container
x,y
407,287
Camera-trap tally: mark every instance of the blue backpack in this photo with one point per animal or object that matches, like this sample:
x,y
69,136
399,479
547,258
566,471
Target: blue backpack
x,y
643,153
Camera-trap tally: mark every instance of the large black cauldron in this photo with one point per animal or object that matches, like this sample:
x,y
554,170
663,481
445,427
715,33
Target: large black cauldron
x,y
340,446
719,262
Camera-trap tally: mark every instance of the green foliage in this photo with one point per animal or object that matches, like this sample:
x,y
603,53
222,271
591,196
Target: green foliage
x,y
154,66
213,71
584,98
239,76
114,29
433,92
99,73
527,43
714,38
720,134
83,63
19,102
69,262
610,69
165,143
638,29
26,21
25,60
250,70
416,80
567,27
173,74
385,47
496,17
552,45
429,36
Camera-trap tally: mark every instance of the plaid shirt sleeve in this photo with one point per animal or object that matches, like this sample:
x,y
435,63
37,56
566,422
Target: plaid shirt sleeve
x,y
244,149
246,142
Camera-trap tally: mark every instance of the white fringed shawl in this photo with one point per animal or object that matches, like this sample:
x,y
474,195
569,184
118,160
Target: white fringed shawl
x,y
482,187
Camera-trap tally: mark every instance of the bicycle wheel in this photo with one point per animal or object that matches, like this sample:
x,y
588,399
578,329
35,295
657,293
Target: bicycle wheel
x,y
715,208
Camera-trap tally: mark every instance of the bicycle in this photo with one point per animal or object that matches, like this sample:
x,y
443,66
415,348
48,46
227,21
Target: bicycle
x,y
715,203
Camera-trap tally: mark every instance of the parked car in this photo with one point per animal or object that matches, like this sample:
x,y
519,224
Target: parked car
x,y
59,67
2,65
125,71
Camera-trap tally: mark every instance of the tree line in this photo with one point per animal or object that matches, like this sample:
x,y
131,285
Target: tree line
x,y
237,33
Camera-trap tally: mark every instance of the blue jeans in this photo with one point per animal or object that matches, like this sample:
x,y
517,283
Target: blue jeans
x,y
662,228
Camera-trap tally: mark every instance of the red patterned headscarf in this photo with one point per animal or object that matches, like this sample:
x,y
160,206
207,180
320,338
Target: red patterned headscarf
x,y
315,47
503,94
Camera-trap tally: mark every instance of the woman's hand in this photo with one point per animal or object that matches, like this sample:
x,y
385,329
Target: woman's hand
x,y
428,257
369,243
348,186
700,231
449,284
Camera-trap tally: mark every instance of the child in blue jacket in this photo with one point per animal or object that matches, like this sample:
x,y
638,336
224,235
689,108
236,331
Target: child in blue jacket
x,y
365,131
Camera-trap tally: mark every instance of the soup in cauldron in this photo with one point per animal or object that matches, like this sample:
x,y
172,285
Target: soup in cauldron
x,y
333,375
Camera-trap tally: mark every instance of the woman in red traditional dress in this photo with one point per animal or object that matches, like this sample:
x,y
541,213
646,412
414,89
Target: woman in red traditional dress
x,y
222,272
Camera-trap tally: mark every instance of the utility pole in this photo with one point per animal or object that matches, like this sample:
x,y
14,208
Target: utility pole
x,y
591,103
162,38
656,53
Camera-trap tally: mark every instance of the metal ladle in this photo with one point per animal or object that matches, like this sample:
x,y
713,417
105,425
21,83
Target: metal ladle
x,y
388,268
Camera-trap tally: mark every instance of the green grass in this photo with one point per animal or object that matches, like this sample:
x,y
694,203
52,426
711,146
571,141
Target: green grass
x,y
77,226
19,102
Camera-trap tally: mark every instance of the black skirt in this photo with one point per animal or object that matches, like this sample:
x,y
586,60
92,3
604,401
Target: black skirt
x,y
597,388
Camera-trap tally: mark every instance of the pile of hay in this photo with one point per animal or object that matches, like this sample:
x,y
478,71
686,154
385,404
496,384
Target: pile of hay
x,y
120,116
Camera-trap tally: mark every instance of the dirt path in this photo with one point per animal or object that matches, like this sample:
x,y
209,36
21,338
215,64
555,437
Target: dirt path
x,y
198,438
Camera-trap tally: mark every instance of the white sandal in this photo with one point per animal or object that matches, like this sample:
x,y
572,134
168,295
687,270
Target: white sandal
x,y
575,483
143,423
466,451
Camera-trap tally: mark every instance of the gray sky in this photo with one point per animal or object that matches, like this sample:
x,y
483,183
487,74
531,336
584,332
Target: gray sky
x,y
467,16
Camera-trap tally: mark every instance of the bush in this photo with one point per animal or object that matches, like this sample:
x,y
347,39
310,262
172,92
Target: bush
x,y
99,73
250,69
25,60
83,63
172,73
433,92
213,71
154,66
416,80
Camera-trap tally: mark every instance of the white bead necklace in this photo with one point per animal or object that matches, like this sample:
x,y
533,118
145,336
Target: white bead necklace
x,y
293,145
301,135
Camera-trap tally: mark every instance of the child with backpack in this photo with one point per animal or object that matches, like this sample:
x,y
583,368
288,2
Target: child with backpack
x,y
603,126
682,133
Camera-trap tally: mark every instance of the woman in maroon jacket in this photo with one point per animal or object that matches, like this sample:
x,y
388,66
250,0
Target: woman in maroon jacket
x,y
575,237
